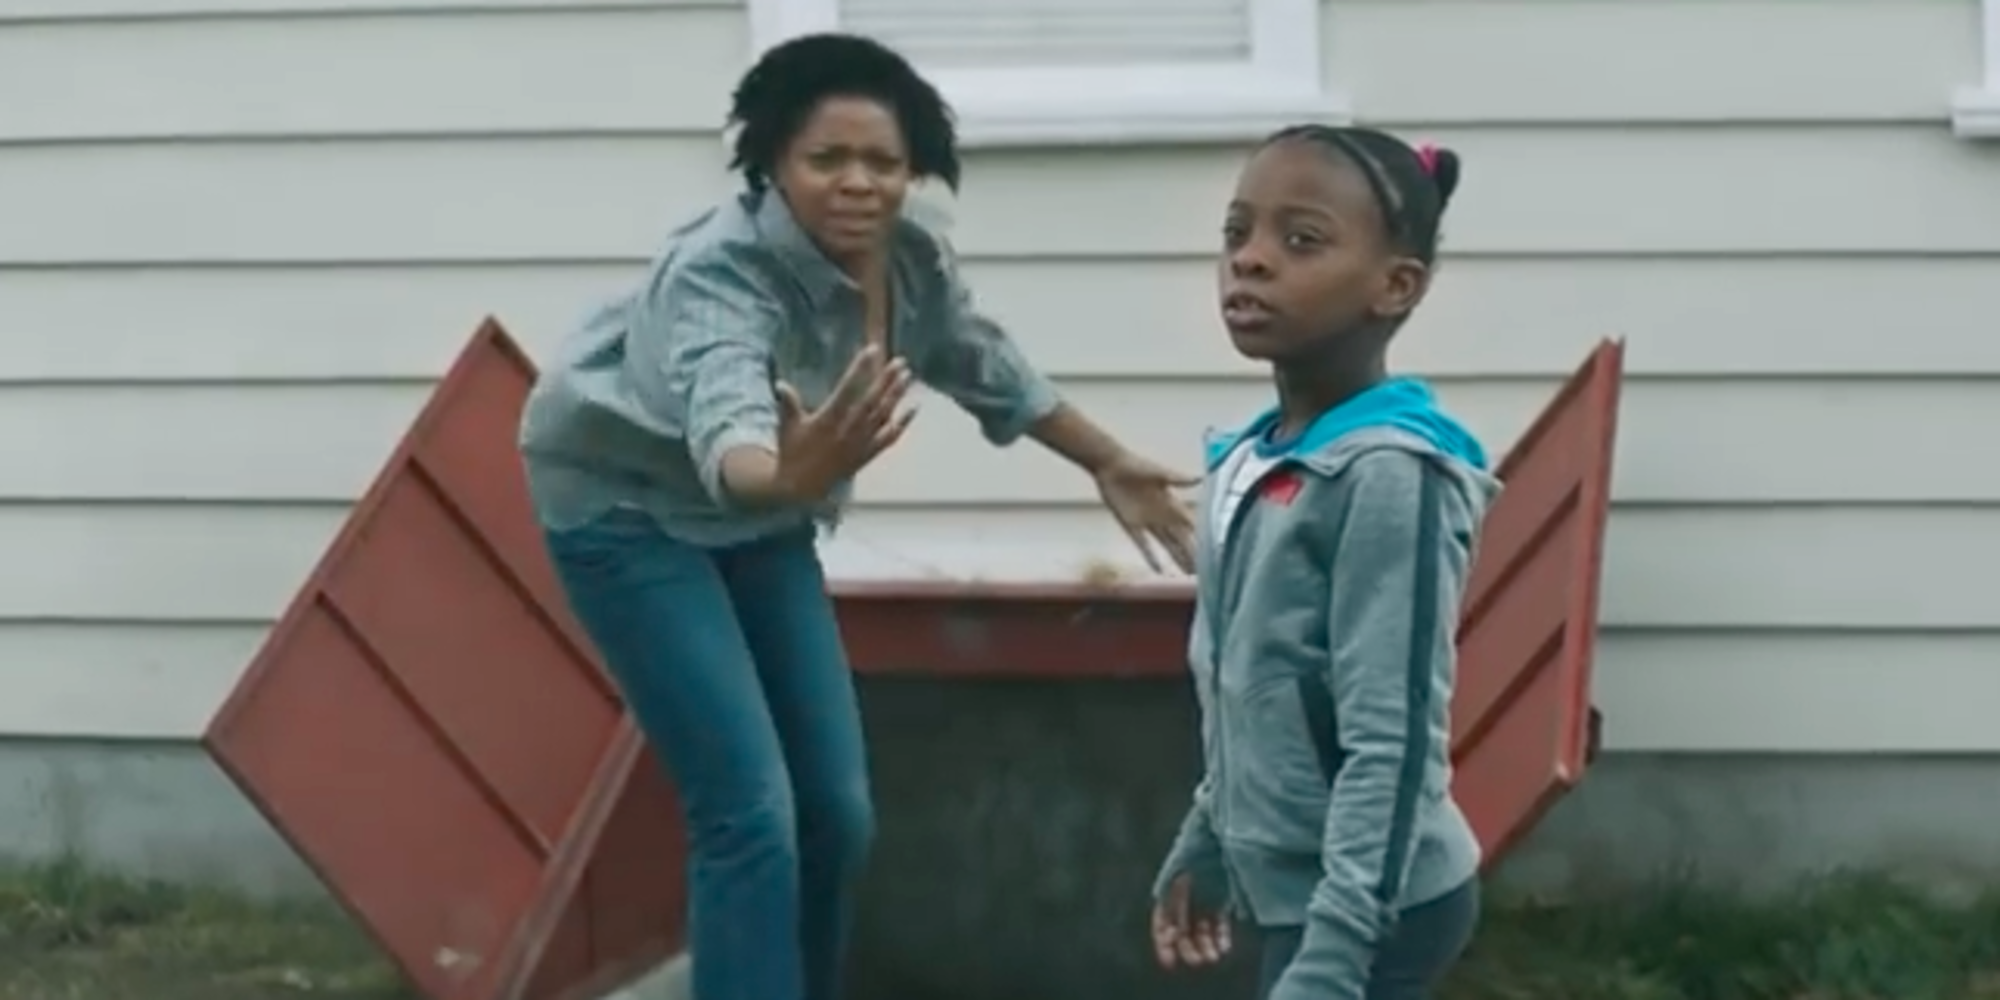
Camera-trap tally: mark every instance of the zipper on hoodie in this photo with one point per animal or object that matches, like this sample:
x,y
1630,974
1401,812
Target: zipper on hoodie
x,y
1222,558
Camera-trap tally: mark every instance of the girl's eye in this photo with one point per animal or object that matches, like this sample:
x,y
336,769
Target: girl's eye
x,y
1233,233
1302,241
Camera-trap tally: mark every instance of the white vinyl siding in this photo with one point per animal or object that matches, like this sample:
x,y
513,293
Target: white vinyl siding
x,y
238,250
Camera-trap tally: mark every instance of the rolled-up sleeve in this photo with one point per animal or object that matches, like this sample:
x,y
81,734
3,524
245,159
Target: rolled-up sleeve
x,y
699,354
979,366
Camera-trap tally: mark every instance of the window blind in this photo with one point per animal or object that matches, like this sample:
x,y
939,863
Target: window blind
x,y
998,34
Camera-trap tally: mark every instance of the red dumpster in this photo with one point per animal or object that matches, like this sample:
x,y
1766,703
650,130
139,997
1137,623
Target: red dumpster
x,y
430,731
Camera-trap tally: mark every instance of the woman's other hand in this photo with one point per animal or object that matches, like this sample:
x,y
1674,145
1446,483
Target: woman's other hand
x,y
1140,494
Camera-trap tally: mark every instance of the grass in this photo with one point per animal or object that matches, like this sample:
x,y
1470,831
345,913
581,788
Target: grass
x,y
1849,937
68,934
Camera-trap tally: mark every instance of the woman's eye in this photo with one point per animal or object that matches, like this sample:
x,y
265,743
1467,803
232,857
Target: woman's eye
x,y
1233,233
1302,241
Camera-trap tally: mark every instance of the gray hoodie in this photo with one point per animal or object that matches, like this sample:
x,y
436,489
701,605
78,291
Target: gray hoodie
x,y
1323,657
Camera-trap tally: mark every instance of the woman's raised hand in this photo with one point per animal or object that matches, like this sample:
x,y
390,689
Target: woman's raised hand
x,y
861,418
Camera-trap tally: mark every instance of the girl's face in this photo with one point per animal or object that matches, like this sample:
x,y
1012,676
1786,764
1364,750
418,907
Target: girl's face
x,y
845,175
1306,260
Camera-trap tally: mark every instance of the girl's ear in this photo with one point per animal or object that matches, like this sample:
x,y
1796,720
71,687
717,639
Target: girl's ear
x,y
1403,287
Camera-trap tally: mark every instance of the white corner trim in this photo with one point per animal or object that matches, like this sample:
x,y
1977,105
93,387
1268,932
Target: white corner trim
x,y
773,21
1120,105
1126,105
1975,111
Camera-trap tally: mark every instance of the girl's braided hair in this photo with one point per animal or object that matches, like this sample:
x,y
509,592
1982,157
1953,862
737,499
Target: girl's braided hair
x,y
1412,184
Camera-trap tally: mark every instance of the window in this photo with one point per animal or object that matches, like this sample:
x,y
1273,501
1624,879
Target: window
x,y
1975,113
1034,72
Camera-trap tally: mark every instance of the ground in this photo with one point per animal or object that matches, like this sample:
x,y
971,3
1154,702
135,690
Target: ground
x,y
1847,938
68,935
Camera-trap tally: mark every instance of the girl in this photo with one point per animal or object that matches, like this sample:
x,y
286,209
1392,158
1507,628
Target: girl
x,y
683,444
1335,534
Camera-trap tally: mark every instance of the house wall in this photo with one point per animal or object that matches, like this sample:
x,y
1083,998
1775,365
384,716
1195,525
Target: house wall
x,y
240,238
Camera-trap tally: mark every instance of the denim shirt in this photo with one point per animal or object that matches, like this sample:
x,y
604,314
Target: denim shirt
x,y
640,404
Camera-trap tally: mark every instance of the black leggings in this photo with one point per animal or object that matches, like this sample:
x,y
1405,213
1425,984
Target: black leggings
x,y
1422,946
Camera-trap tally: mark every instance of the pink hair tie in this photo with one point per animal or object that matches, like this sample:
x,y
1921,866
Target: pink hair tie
x,y
1427,158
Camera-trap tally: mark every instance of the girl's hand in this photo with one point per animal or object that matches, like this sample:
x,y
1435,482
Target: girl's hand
x,y
1184,935
818,449
1140,495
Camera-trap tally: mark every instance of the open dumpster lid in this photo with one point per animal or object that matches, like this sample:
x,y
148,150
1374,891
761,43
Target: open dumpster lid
x,y
1523,726
380,728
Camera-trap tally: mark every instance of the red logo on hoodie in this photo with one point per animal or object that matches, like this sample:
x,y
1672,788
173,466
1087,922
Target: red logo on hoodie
x,y
1281,488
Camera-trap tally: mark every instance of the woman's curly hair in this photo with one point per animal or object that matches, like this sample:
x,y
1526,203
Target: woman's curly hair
x,y
778,94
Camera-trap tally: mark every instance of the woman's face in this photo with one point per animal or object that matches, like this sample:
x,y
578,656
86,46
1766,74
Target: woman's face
x,y
845,175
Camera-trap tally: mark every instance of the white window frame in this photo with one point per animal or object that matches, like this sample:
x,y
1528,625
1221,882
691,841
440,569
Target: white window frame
x,y
1975,111
1119,105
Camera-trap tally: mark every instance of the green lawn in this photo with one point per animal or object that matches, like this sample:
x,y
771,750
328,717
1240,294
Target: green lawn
x,y
1852,938
68,935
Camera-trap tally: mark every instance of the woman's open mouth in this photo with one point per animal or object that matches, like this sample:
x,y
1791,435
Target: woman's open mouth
x,y
855,222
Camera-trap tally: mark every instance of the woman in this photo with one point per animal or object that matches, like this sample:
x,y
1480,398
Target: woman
x,y
683,445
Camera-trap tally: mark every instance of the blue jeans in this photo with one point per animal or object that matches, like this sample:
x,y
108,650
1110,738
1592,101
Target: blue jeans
x,y
731,662
1420,948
